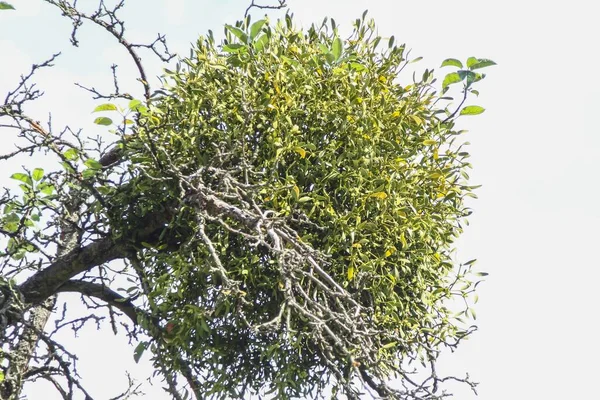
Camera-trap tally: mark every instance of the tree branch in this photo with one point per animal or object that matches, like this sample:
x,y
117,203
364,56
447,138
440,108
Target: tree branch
x,y
47,281
103,293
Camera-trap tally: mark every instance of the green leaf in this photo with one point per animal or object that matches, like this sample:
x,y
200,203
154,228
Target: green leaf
x,y
71,154
5,6
238,33
453,62
472,110
12,217
89,173
105,107
233,47
93,164
482,63
469,75
452,77
134,104
358,67
46,188
330,58
473,314
476,77
38,174
26,179
103,121
337,48
463,73
471,61
290,61
104,190
261,42
67,167
295,192
256,27
11,226
139,350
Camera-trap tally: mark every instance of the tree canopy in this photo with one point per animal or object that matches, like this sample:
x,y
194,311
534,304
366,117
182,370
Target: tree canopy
x,y
285,207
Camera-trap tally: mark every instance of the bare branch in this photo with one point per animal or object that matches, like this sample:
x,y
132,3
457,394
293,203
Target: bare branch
x,y
103,293
282,4
107,18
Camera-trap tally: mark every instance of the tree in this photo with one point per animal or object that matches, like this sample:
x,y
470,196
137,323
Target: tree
x,y
283,207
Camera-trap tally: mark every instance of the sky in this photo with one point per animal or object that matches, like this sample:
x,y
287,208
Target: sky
x,y
534,150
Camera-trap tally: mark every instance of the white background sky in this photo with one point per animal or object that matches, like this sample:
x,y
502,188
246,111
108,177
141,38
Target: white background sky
x,y
535,150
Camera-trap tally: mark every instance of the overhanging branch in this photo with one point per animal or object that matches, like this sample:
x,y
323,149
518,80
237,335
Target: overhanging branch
x,y
103,293
46,282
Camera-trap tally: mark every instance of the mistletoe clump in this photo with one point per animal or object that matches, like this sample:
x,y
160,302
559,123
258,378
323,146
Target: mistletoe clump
x,y
309,203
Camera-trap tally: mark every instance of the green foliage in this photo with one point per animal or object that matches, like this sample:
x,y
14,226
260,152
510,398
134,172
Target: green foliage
x,y
22,215
5,6
368,171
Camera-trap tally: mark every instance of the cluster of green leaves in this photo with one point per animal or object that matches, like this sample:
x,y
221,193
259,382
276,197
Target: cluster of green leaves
x,y
134,106
468,77
324,130
19,215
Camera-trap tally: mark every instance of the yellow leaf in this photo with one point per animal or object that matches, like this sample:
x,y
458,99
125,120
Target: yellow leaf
x,y
300,151
379,195
417,120
403,240
350,272
390,251
436,155
357,245
296,192
429,142
396,114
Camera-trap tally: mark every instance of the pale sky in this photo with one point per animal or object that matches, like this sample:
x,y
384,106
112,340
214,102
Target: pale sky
x,y
535,151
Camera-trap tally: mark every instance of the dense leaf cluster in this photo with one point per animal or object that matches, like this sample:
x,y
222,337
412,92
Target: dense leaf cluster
x,y
310,202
